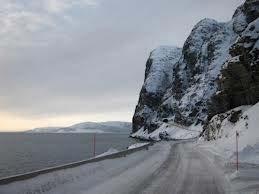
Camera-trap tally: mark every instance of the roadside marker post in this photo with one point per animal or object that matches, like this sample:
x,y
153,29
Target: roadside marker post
x,y
237,136
94,140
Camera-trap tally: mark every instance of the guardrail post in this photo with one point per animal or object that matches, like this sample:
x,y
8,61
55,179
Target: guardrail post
x,y
237,135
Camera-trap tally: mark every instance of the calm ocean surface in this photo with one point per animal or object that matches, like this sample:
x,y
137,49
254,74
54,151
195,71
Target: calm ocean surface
x,y
24,152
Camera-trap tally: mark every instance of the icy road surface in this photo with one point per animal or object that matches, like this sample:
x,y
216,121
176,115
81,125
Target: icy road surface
x,y
165,168
185,170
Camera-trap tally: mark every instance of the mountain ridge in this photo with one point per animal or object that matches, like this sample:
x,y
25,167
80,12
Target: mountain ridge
x,y
88,127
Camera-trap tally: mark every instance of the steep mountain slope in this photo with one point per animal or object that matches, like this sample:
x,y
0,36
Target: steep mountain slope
x,y
217,70
88,127
158,78
239,80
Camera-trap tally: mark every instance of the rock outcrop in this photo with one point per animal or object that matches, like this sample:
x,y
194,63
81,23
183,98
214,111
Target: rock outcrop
x,y
158,78
216,70
239,80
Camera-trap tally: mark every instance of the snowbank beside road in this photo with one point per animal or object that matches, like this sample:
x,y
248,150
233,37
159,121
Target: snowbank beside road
x,y
169,131
113,151
223,131
137,145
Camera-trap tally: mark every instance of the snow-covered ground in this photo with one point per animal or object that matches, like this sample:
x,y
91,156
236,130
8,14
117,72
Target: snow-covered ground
x,y
113,151
225,133
169,131
222,150
245,180
137,145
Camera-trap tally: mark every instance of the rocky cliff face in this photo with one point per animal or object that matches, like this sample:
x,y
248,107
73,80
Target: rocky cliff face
x,y
239,79
158,78
216,70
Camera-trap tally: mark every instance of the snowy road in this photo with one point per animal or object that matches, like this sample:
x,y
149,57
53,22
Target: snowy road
x,y
164,168
184,170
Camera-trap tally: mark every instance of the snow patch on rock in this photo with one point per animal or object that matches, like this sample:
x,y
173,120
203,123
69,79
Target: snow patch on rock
x,y
160,73
224,133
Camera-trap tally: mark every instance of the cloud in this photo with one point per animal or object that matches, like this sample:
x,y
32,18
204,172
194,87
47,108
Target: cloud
x,y
24,22
68,57
58,6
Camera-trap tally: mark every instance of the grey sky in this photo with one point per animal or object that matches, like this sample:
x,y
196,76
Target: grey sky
x,y
68,57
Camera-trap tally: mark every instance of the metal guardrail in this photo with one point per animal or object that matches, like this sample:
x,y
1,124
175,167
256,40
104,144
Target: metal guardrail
x,y
33,174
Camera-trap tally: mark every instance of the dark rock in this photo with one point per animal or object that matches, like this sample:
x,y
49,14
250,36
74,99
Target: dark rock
x,y
239,83
217,70
165,120
234,117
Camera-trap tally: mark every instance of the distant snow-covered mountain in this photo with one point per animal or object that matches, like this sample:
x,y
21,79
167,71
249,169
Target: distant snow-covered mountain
x,y
88,127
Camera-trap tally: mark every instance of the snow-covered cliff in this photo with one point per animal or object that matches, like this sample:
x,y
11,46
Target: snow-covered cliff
x,y
216,70
158,78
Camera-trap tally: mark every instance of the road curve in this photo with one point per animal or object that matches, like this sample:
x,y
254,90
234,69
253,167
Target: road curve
x,y
186,170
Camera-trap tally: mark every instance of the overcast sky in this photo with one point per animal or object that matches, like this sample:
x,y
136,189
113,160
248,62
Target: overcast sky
x,y
67,61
